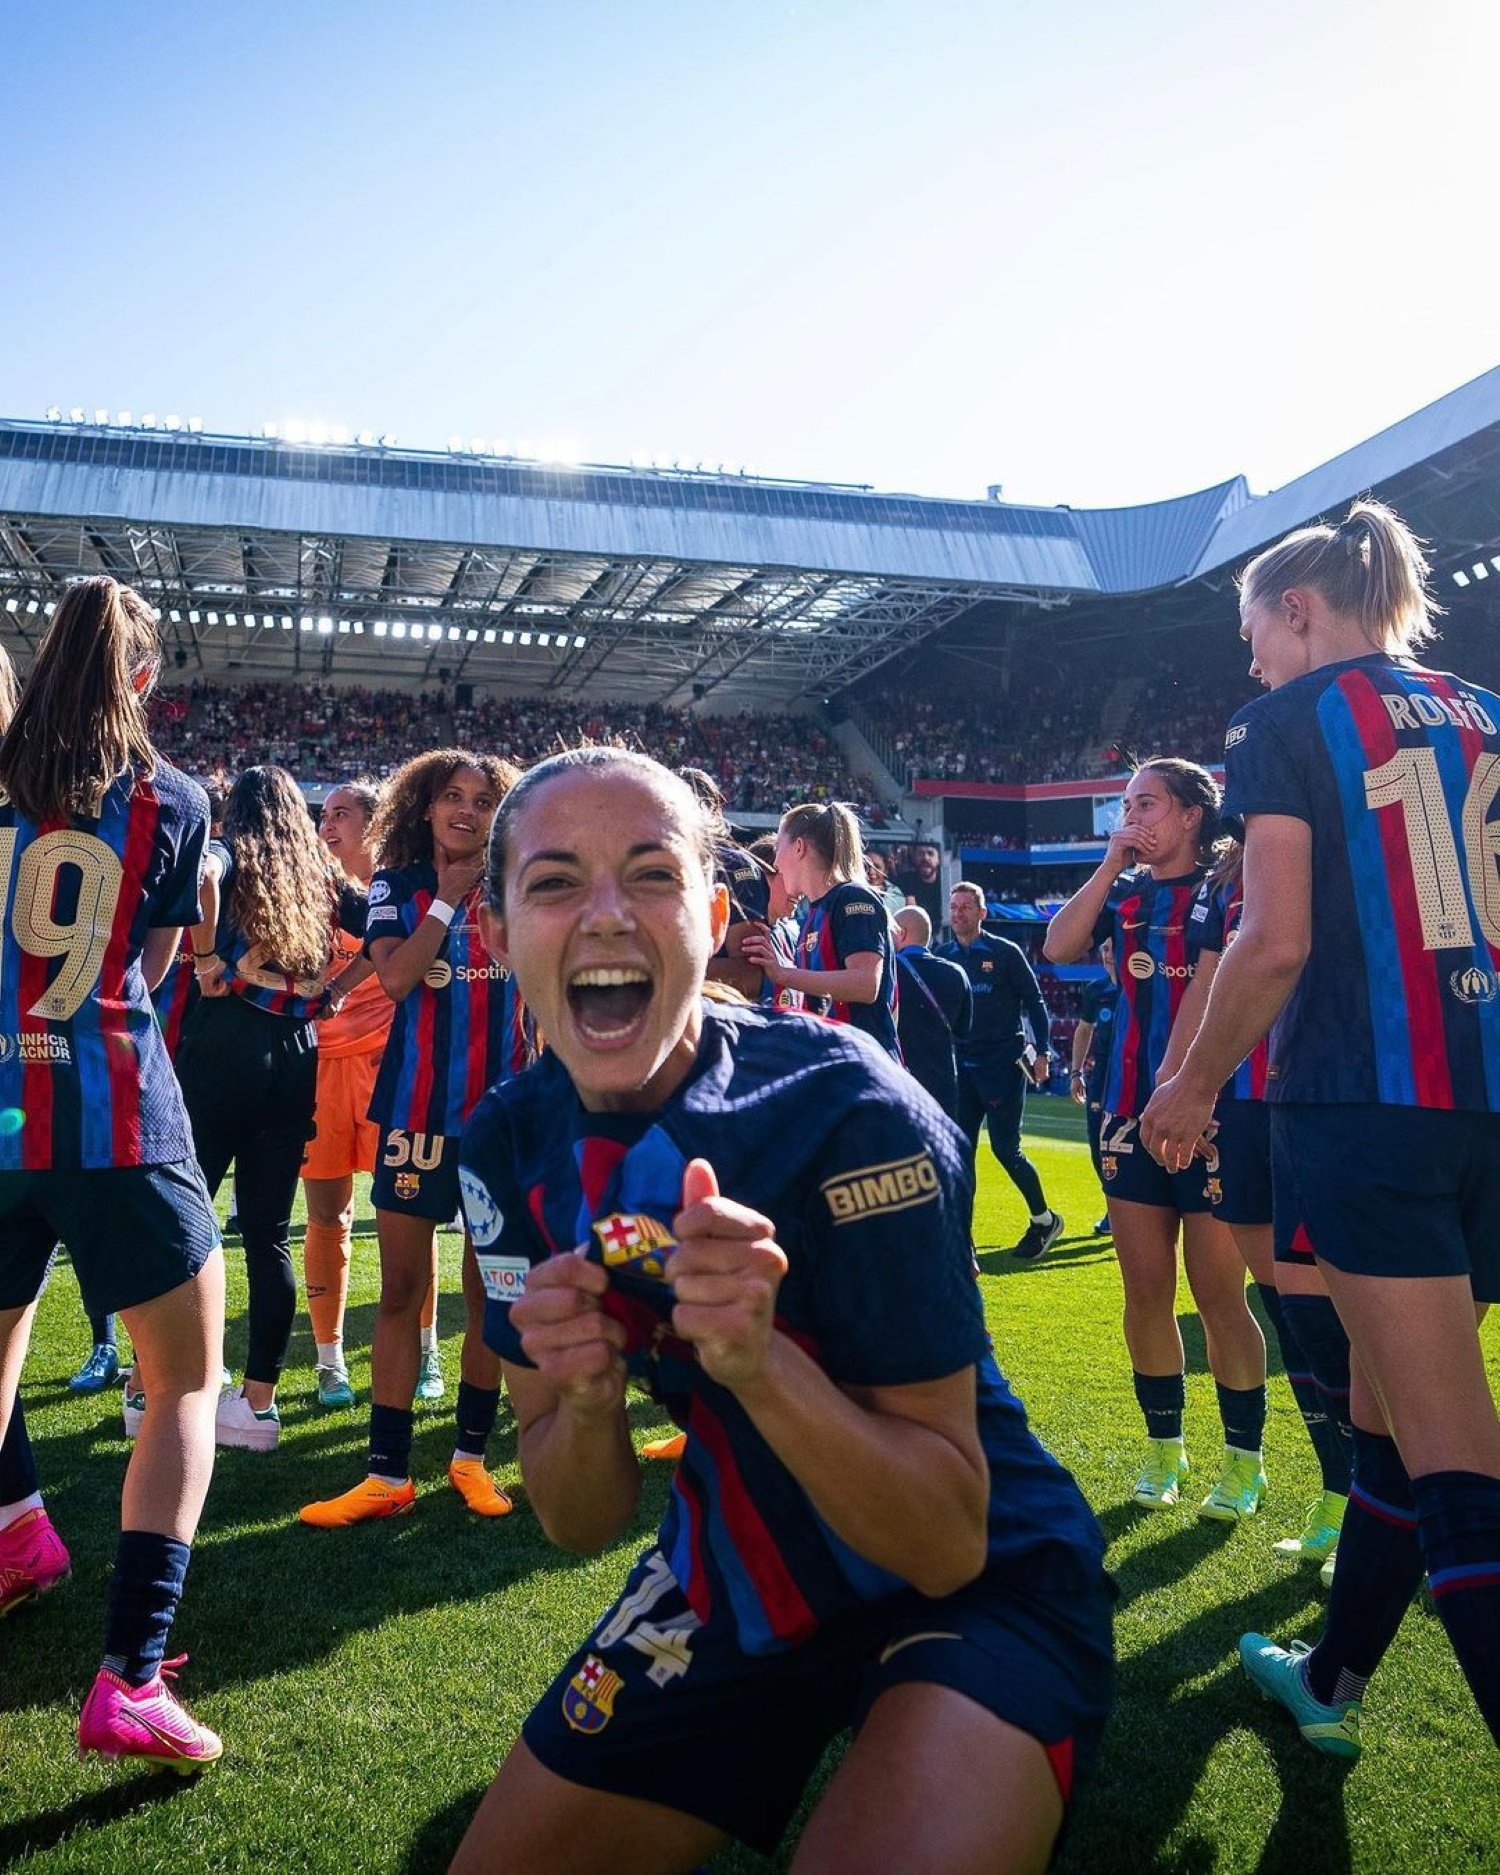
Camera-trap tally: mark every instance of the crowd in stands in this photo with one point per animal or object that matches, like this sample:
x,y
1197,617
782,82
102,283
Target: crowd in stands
x,y
1169,717
1035,732
764,762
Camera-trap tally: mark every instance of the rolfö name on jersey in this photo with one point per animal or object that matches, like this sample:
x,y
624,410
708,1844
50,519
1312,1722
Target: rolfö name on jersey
x,y
897,1185
1421,709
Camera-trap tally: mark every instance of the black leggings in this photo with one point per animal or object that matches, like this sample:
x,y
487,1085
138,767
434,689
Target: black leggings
x,y
996,1100
250,1080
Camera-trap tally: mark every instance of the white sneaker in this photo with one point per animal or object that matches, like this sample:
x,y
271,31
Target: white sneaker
x,y
238,1423
134,1407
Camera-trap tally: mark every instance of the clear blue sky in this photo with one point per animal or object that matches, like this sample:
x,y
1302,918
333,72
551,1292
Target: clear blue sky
x,y
1097,252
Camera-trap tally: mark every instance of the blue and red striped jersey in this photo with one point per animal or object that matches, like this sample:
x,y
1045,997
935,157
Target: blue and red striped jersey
x,y
1213,923
461,1029
1396,769
846,920
257,978
1155,956
175,995
868,1185
82,1060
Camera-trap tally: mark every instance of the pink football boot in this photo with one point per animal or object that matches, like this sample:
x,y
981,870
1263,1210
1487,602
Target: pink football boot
x,y
124,1721
32,1560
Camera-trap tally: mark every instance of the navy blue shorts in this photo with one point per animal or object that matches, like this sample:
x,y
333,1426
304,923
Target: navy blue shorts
x,y
1393,1191
133,1232
653,1706
1127,1170
1243,1143
416,1174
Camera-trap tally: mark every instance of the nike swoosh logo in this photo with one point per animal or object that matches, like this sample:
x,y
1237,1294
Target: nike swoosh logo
x,y
910,1640
1135,927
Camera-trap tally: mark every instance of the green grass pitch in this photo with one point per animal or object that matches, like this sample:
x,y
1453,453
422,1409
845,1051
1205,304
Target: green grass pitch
x,y
367,1681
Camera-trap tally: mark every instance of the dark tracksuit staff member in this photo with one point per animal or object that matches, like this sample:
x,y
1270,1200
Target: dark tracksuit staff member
x,y
936,1009
991,1072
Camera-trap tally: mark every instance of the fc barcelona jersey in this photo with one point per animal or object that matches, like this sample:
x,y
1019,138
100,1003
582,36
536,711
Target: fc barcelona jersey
x,y
257,978
175,995
82,1060
1396,769
460,1029
1214,922
845,921
868,1185
1155,956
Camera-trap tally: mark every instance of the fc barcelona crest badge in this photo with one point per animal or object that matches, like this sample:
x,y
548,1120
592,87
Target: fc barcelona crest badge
x,y
589,1702
639,1244
1215,1191
1109,1165
408,1184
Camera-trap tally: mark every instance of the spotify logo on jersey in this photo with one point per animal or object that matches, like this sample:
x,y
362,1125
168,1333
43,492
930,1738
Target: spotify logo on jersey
x,y
439,975
1142,964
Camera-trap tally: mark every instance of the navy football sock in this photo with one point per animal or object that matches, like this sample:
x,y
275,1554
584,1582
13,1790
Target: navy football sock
x,y
475,1413
1327,1441
102,1328
1161,1398
1379,1570
1458,1523
1320,1335
1243,1413
18,1477
390,1441
144,1590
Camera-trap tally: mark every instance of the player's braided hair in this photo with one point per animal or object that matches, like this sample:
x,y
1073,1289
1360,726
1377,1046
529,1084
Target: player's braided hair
x,y
81,721
1191,785
1370,567
599,759
286,885
402,833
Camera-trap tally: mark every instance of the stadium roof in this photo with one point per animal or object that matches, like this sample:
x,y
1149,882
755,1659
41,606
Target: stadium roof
x,y
372,563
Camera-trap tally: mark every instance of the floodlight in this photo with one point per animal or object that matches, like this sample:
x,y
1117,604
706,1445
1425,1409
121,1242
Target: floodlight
x,y
213,618
325,626
1460,578
172,423
32,607
76,414
525,638
398,630
123,419
49,608
344,626
476,446
175,616
455,445
507,638
192,618
101,416
286,624
544,638
269,431
471,636
13,605
359,628
232,618
579,643
148,422
54,415
365,439
381,628
489,634
195,424
1495,561
452,631
1481,571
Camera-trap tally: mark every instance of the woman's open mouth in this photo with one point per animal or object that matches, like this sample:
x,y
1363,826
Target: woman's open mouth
x,y
609,1002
